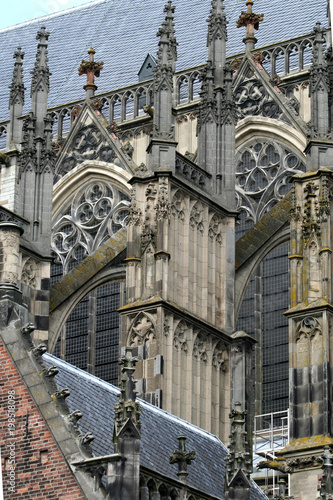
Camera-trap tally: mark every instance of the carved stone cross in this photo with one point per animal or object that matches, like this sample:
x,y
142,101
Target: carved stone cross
x,y
183,458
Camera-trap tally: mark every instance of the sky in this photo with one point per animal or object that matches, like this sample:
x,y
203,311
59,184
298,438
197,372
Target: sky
x,y
18,11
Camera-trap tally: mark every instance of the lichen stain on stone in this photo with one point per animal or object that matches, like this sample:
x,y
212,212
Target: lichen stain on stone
x,y
90,266
267,227
307,443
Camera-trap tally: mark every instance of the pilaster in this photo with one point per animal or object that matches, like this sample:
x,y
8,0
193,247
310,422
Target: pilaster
x,y
310,330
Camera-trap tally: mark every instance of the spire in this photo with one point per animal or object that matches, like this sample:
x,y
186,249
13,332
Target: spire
x,y
182,458
127,410
40,83
17,87
37,156
163,76
163,137
90,68
16,100
251,22
217,113
217,39
238,467
169,10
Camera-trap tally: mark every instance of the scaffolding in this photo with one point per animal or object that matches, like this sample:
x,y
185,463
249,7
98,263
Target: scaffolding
x,y
271,434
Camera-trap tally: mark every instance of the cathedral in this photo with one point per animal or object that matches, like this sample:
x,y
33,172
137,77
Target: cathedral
x,y
166,301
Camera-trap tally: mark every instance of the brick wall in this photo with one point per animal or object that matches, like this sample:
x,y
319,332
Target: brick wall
x,y
32,466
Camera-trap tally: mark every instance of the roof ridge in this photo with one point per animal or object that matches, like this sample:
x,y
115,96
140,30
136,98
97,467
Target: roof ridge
x,y
143,403
54,14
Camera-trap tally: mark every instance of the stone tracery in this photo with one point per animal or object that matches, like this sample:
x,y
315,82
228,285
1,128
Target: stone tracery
x,y
93,216
262,177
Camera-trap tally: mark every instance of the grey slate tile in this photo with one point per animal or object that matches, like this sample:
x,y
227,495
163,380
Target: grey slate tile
x,y
96,399
123,31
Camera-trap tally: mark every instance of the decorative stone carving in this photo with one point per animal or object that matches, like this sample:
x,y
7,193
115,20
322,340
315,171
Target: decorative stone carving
x,y
182,458
262,175
17,87
326,486
311,215
29,273
87,144
258,57
76,110
236,63
28,157
6,216
292,464
148,240
308,328
97,104
166,327
142,330
41,74
128,149
253,99
199,348
215,228
134,217
180,337
302,463
186,168
94,215
162,206
178,205
196,217
220,356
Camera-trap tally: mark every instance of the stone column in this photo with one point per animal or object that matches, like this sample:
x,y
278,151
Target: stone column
x,y
10,268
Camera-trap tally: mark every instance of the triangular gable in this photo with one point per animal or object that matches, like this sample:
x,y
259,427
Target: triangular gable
x,y
257,94
239,480
146,72
90,138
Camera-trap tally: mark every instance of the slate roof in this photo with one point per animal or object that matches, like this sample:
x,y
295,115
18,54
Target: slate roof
x,y
123,31
96,399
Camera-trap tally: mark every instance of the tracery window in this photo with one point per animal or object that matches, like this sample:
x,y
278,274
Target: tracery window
x,y
263,172
93,216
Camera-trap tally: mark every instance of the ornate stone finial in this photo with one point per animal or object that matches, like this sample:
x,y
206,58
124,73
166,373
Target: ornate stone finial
x,y
238,466
90,68
326,486
182,458
127,411
17,87
318,50
41,73
167,51
169,10
251,22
